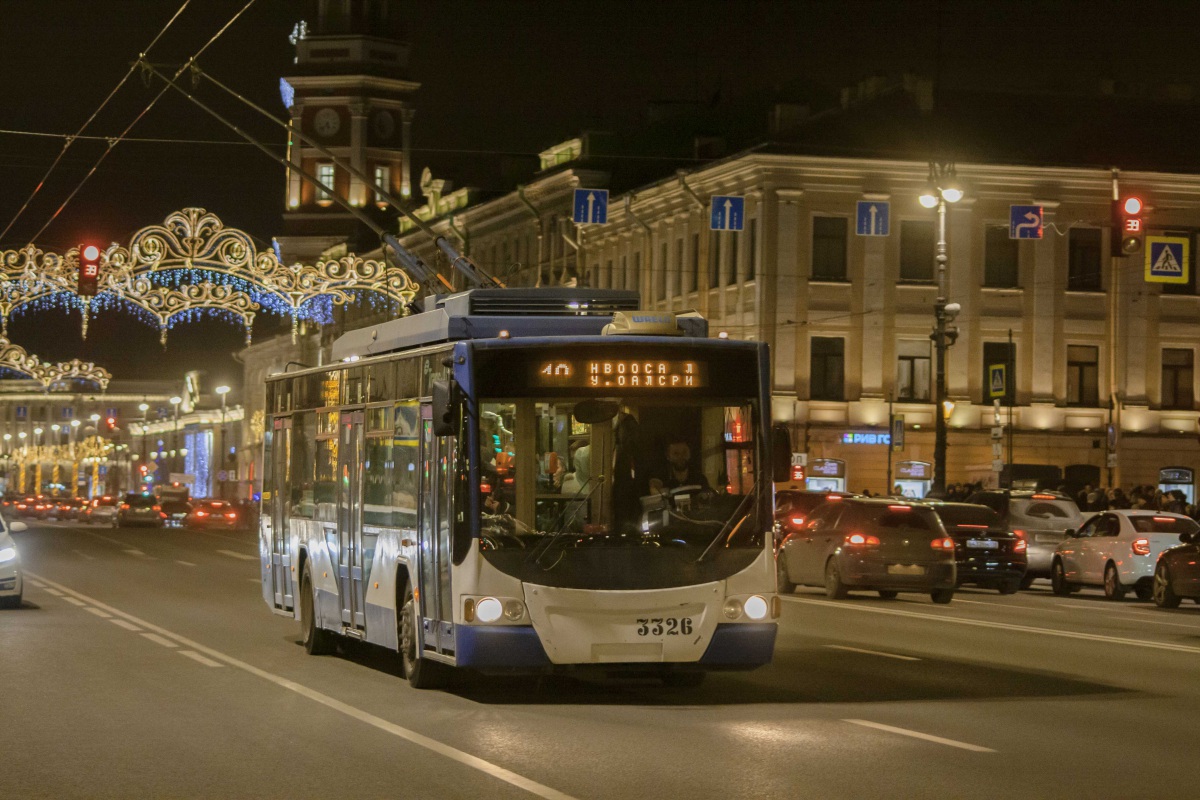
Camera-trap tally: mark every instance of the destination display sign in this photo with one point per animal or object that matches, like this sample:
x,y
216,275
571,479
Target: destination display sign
x,y
620,373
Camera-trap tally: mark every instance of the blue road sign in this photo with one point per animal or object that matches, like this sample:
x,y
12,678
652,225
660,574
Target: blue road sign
x,y
728,213
1024,222
591,206
1167,259
873,218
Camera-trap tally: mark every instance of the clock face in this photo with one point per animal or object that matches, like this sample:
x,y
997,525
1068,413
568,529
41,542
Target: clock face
x,y
327,122
385,125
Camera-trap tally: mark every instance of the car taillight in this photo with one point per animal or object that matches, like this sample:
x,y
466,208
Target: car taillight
x,y
796,521
945,543
201,513
1141,546
1020,545
231,515
157,508
862,540
1020,534
124,506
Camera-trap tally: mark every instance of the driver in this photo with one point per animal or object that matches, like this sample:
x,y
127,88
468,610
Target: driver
x,y
680,471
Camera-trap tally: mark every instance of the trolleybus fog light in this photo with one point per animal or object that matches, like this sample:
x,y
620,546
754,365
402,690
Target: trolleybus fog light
x,y
733,608
756,607
514,610
489,609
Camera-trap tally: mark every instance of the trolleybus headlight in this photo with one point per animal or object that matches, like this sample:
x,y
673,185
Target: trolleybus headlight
x,y
488,609
756,607
733,608
514,610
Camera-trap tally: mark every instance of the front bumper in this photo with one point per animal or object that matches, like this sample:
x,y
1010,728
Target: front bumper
x,y
10,579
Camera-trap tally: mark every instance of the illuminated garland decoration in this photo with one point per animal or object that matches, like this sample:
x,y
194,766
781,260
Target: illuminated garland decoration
x,y
193,264
14,358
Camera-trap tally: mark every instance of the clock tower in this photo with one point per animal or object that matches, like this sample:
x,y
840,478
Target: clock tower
x,y
349,91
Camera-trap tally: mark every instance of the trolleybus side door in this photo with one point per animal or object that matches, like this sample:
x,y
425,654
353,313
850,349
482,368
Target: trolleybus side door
x,y
437,464
277,447
350,558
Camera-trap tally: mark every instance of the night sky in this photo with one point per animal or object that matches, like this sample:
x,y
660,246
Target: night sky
x,y
498,79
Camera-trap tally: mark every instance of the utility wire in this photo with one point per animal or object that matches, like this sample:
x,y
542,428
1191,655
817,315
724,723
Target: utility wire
x,y
115,141
69,140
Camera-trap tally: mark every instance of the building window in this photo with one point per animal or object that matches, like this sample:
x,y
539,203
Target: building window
x,y
916,250
912,371
826,378
999,353
1083,263
1083,376
660,279
383,181
829,249
1177,379
714,259
1000,258
694,277
679,266
608,275
735,244
325,175
752,264
624,279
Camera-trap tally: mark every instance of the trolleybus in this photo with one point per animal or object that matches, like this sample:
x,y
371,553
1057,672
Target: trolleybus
x,y
526,480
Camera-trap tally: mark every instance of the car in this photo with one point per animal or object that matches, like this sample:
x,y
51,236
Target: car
x,y
792,508
66,508
176,510
12,583
140,509
1041,518
988,554
1117,550
1177,573
100,511
208,514
33,507
874,544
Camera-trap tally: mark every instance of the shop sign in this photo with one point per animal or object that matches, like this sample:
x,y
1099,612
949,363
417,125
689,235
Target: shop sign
x,y
914,470
827,468
856,437
1176,475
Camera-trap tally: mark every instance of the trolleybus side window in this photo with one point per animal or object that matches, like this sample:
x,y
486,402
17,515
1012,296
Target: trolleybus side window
x,y
302,472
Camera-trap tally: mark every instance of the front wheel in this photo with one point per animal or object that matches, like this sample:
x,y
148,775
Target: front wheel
x,y
421,672
1113,589
942,596
785,586
317,641
1164,596
834,588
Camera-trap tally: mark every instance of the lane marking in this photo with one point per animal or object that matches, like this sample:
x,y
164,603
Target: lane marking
x,y
255,580
870,652
233,539
205,660
129,626
154,637
184,563
452,753
85,555
135,552
98,612
242,556
38,584
54,592
73,601
1004,626
1006,606
866,723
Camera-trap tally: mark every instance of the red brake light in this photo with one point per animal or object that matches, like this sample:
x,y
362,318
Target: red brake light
x,y
862,540
158,508
124,506
832,497
1020,534
972,525
1141,546
945,543
899,508
1020,545
1044,497
231,514
797,521
1164,519
201,513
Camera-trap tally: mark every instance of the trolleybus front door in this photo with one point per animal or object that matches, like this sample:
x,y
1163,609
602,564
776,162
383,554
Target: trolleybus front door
x,y
437,464
350,557
278,447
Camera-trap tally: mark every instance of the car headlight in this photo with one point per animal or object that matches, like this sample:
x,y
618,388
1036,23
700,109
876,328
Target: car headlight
x,y
7,554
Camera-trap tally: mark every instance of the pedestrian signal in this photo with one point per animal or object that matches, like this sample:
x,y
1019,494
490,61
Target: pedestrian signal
x,y
89,270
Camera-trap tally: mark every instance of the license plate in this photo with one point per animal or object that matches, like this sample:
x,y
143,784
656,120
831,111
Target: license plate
x,y
665,626
905,569
983,544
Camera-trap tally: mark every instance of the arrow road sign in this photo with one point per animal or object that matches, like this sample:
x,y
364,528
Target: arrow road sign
x,y
1167,259
1024,222
591,206
728,213
872,218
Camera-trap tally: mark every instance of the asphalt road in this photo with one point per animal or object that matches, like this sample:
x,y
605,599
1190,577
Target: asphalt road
x,y
144,663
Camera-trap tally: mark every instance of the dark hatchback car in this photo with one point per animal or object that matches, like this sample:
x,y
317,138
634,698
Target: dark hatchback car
x,y
140,509
1177,573
792,507
988,554
881,545
212,514
1041,518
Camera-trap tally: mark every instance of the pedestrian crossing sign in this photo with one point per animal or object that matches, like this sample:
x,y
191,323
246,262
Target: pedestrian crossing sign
x,y
997,380
1167,259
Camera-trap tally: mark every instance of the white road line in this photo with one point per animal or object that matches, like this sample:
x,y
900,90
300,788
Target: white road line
x,y
37,584
974,748
73,601
99,613
154,637
870,652
85,555
129,626
205,660
54,592
135,552
1004,626
433,745
242,556
1007,606
184,563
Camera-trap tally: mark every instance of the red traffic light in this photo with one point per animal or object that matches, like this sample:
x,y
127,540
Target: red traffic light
x,y
1133,205
91,252
112,422
89,270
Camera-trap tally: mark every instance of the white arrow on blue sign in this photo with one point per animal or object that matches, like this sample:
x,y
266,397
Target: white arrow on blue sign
x,y
872,218
591,207
728,213
1024,222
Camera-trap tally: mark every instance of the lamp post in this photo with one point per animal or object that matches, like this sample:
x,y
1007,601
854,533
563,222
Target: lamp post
x,y
175,401
941,188
222,391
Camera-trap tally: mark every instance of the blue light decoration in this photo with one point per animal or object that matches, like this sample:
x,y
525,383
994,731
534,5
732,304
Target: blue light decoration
x,y
198,461
287,93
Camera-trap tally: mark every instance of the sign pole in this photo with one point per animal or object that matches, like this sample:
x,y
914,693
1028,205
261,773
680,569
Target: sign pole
x,y
1011,390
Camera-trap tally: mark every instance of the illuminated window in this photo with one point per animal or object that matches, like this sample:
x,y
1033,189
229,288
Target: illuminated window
x,y
325,175
383,180
1083,376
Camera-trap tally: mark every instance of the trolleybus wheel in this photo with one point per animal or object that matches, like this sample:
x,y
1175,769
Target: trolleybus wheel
x,y
421,672
317,641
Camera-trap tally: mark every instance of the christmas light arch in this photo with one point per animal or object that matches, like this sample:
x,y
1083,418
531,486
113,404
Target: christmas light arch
x,y
15,358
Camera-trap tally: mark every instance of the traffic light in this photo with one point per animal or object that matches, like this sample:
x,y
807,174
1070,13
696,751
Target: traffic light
x,y
89,270
1128,225
112,423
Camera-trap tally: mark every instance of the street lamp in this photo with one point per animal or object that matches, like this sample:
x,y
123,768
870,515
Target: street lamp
x,y
175,401
941,188
222,391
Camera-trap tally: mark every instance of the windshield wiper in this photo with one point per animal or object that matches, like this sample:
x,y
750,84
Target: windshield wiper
x,y
737,515
562,517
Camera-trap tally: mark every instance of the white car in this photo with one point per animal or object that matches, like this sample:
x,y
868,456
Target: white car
x,y
1118,551
12,585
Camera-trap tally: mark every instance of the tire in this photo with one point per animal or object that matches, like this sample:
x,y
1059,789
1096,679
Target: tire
x,y
1113,589
1058,581
1010,585
834,588
421,672
888,594
1144,591
317,641
784,586
941,596
683,680
1027,581
1164,597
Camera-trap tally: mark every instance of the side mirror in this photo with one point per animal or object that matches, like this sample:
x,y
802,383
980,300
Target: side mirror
x,y
445,406
1184,538
18,526
781,453
1070,533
